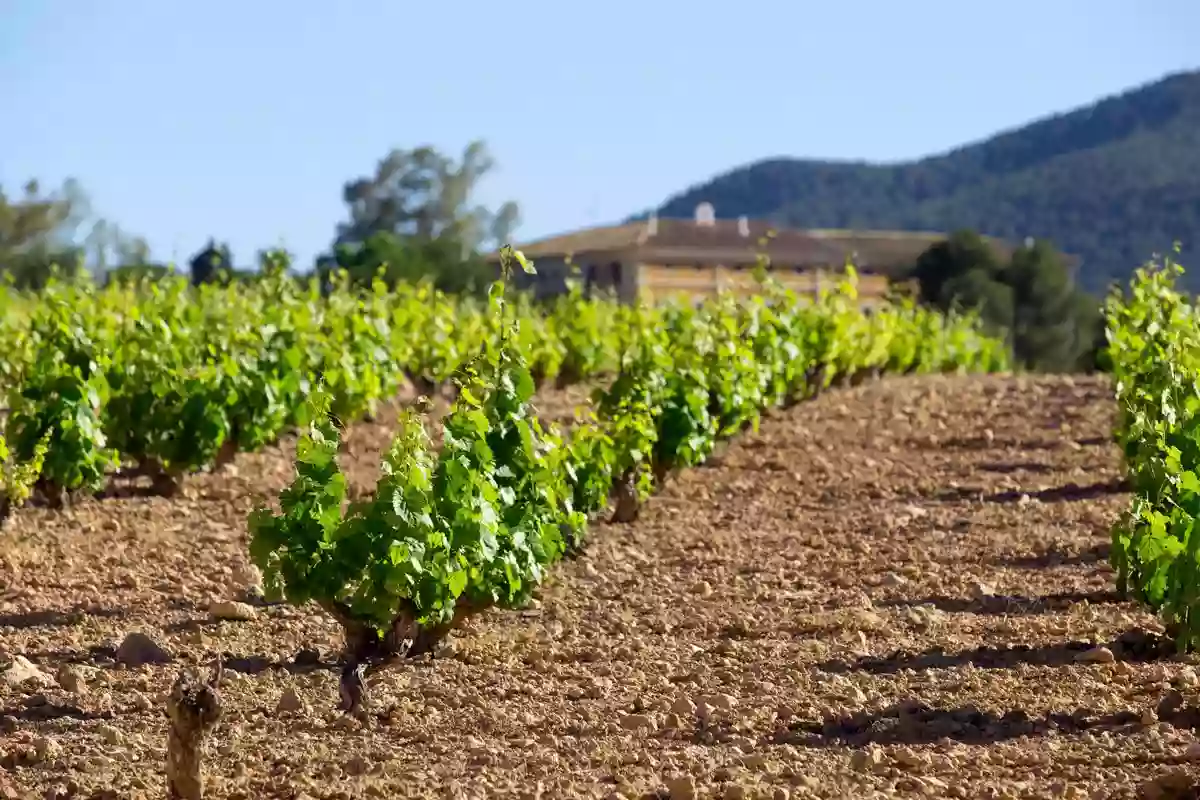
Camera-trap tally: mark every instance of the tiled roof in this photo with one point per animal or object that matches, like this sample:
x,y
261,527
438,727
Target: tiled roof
x,y
679,239
683,241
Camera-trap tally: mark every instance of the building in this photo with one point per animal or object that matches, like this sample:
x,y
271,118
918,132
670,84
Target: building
x,y
693,258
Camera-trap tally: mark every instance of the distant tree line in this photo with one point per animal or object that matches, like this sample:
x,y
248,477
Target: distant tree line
x,y
41,232
413,218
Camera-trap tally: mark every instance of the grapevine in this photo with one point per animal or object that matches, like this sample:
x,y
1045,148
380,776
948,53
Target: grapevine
x,y
1154,348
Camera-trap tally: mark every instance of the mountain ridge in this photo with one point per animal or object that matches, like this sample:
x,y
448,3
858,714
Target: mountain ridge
x,y
1112,182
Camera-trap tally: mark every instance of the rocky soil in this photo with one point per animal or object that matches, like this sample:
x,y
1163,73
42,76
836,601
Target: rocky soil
x,y
896,590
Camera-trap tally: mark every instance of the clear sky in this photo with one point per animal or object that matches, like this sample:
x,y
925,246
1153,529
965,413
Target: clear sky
x,y
243,119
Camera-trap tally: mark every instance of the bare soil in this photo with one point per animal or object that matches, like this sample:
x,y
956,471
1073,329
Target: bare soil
x,y
900,589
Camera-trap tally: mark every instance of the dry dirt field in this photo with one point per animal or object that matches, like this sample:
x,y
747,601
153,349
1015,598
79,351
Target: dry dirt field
x,y
900,589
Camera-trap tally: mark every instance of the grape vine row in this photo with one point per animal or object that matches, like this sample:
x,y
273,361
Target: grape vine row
x,y
163,379
478,523
1154,346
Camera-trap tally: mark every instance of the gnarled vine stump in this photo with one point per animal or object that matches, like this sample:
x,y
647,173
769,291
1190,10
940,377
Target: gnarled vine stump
x,y
627,503
367,652
227,453
661,473
193,707
568,375
166,483
55,496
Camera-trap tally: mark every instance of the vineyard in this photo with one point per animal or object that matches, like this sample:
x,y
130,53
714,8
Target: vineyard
x,y
435,546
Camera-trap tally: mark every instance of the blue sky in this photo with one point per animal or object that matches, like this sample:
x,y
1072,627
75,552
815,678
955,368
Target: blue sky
x,y
243,119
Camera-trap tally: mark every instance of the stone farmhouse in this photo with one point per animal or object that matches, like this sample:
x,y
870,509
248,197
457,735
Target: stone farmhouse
x,y
691,258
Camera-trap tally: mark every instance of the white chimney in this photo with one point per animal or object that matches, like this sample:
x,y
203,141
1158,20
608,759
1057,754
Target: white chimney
x,y
706,215
743,226
652,224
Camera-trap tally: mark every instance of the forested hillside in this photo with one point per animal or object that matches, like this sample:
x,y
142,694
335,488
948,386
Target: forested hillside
x,y
1111,182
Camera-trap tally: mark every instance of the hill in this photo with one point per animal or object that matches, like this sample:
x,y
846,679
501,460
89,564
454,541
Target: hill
x,y
1111,182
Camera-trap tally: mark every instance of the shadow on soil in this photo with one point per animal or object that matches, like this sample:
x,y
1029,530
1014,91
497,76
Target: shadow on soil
x,y
49,712
105,657
1008,605
921,724
1096,554
183,625
127,490
58,619
977,443
1011,467
1133,646
1071,492
302,662
100,656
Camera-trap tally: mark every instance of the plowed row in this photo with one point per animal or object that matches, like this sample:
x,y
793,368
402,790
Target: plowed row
x,y
898,589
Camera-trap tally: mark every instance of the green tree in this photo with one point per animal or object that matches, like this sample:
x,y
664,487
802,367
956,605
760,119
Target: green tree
x,y
41,231
412,259
207,265
963,270
416,215
423,194
37,232
107,247
1051,329
1051,324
